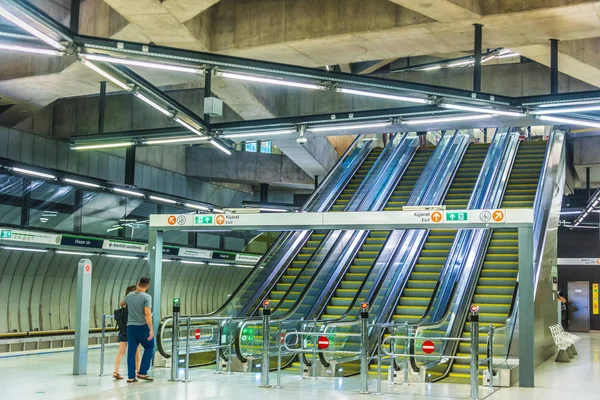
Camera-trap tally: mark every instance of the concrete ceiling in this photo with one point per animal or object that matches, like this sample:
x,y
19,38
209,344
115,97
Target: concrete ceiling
x,y
311,33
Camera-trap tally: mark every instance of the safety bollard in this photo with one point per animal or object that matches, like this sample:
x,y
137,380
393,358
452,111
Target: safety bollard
x,y
102,339
187,351
265,350
175,341
491,357
364,344
474,352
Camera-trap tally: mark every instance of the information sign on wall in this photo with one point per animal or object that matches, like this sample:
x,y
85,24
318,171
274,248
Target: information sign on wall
x,y
595,299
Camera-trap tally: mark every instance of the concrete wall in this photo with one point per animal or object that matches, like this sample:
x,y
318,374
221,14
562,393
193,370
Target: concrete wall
x,y
38,290
51,153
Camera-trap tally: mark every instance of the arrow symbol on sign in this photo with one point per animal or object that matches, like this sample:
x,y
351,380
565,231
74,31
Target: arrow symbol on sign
x,y
452,217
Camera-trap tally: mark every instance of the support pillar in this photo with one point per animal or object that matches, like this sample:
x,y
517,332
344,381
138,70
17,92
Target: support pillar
x,y
101,107
526,309
74,19
155,249
130,165
587,183
207,91
553,66
477,55
316,181
264,192
82,317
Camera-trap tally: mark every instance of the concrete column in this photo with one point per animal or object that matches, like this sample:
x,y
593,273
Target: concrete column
x,y
553,66
477,55
101,107
130,165
526,309
74,19
155,249
264,192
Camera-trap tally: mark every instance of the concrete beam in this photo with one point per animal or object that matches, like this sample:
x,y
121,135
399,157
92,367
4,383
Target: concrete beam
x,y
445,10
577,58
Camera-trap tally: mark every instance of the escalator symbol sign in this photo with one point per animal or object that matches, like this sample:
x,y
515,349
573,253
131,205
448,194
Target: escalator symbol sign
x,y
498,216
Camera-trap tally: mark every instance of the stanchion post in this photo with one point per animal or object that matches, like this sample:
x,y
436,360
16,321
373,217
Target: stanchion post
x,y
301,354
187,351
391,369
218,350
265,349
379,333
406,347
491,356
102,345
230,341
474,352
314,352
280,342
175,341
364,344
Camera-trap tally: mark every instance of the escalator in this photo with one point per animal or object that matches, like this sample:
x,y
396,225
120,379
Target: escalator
x,y
358,271
422,281
316,238
496,285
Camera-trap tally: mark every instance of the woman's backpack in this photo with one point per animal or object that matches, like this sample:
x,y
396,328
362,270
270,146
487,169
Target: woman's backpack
x,y
121,318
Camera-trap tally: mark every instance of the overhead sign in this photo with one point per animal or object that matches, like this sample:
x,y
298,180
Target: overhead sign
x,y
428,347
5,234
323,342
457,216
17,235
75,241
579,261
125,246
203,219
195,253
247,258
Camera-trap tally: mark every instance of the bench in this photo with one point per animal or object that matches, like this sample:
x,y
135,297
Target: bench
x,y
565,342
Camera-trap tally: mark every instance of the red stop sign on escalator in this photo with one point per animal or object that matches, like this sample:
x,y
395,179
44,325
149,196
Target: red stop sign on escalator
x,y
197,334
323,342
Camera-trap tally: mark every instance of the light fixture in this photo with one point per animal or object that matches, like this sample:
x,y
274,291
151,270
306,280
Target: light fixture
x,y
481,110
570,121
446,119
220,147
33,50
114,228
74,253
193,262
81,183
101,146
123,257
163,200
430,68
153,104
565,110
328,68
176,140
219,264
35,32
218,211
136,63
260,79
273,209
188,126
570,212
196,207
488,58
349,127
244,266
383,96
257,134
504,51
128,192
508,55
106,75
460,63
24,249
32,173
569,103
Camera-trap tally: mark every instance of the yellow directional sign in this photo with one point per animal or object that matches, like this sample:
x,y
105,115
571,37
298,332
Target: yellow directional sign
x,y
595,299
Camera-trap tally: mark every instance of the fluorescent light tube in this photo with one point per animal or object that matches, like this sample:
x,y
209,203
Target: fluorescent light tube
x,y
482,110
33,50
154,105
162,199
383,96
105,74
194,206
488,58
570,212
123,257
570,121
101,146
430,68
218,210
193,262
219,264
565,110
570,103
504,51
129,192
81,183
508,55
349,127
273,209
244,266
257,134
177,140
33,173
25,26
188,126
124,61
221,147
271,81
460,63
446,119
24,249
74,253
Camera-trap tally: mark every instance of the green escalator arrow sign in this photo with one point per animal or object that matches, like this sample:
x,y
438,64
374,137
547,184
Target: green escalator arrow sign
x,y
5,234
203,220
457,216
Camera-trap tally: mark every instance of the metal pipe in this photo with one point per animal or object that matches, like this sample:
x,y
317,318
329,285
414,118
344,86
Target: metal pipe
x,y
230,340
102,345
187,351
315,341
364,344
491,356
553,66
279,340
175,345
301,355
477,56
217,355
379,362
406,347
474,354
265,346
101,107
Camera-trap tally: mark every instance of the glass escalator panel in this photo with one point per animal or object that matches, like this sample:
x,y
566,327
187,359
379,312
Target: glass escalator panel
x,y
496,285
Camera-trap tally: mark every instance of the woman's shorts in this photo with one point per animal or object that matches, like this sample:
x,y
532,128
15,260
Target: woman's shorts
x,y
123,337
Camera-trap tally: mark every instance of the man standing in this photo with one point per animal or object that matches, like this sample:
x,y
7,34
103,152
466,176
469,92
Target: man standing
x,y
139,330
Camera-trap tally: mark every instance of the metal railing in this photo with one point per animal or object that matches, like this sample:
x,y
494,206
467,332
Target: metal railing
x,y
103,342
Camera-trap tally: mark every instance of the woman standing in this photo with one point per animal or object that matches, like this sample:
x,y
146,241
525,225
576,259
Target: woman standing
x,y
121,319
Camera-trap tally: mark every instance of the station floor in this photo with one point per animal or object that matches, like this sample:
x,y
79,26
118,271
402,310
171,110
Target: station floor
x,y
48,376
